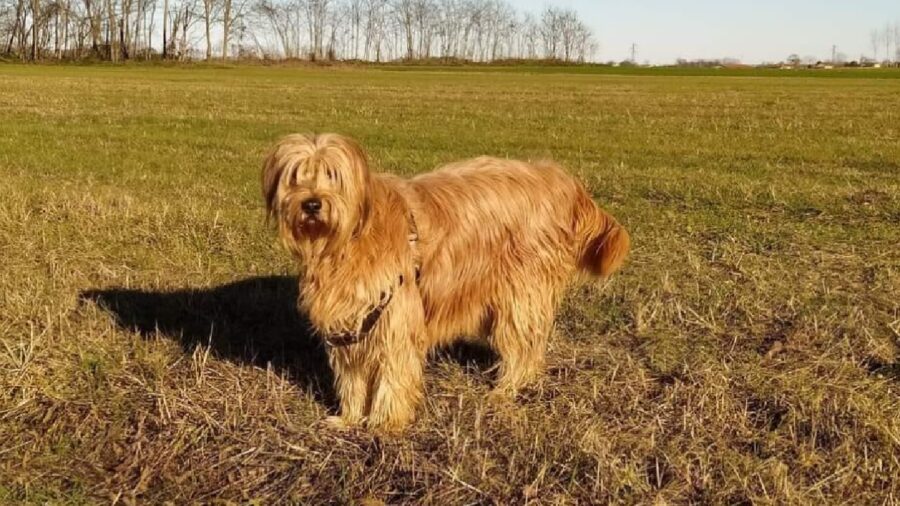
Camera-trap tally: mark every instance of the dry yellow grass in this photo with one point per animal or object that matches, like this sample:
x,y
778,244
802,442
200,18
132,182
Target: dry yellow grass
x,y
748,353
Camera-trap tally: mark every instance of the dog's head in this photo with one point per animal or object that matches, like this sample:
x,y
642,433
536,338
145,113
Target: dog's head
x,y
315,187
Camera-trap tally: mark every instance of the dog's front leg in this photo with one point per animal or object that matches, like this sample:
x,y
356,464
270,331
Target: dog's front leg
x,y
398,383
351,376
398,390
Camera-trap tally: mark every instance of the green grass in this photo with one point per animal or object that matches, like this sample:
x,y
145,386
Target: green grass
x,y
747,353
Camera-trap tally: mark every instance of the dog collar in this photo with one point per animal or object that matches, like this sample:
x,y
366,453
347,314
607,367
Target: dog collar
x,y
413,245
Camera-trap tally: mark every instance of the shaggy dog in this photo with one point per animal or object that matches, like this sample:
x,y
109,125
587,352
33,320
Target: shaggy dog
x,y
391,268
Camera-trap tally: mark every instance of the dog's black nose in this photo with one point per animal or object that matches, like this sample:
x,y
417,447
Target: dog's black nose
x,y
311,205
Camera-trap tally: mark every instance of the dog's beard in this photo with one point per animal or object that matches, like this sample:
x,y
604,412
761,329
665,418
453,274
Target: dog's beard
x,y
308,234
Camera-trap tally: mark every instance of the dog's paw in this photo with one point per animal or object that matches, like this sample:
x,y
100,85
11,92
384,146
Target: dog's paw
x,y
337,423
388,425
500,396
388,431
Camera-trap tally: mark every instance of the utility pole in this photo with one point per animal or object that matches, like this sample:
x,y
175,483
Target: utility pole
x,y
633,53
833,54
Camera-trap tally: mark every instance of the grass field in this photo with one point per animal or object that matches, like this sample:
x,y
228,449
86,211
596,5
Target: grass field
x,y
747,353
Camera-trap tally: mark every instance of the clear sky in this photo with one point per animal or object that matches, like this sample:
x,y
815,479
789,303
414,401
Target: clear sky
x,y
752,31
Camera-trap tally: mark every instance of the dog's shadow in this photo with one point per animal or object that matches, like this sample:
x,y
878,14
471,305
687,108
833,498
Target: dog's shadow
x,y
252,321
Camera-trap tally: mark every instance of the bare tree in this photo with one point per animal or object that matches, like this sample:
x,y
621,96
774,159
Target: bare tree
x,y
14,26
95,20
550,32
448,24
353,11
887,38
183,17
165,35
226,26
111,31
210,11
35,16
423,12
150,26
403,13
897,41
530,34
279,21
375,12
875,40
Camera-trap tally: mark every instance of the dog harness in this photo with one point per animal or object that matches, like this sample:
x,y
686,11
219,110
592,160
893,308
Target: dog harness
x,y
368,322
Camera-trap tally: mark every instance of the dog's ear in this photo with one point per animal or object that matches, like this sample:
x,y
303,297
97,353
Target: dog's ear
x,y
354,158
605,242
271,175
352,155
613,248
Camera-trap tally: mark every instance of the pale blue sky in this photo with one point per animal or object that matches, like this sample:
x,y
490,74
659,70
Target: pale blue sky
x,y
753,31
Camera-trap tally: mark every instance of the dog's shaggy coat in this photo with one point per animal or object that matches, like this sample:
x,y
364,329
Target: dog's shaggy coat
x,y
391,268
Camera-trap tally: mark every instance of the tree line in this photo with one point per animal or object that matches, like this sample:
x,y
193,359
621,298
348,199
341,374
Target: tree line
x,y
372,30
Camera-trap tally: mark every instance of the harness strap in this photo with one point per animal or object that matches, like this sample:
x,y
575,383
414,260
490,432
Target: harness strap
x,y
368,323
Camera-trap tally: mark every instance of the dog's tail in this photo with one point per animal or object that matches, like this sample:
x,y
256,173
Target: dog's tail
x,y
601,243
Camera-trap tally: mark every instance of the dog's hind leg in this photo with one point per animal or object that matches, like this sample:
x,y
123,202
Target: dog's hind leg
x,y
519,335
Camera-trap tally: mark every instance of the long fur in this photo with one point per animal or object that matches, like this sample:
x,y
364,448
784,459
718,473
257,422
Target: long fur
x,y
498,241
